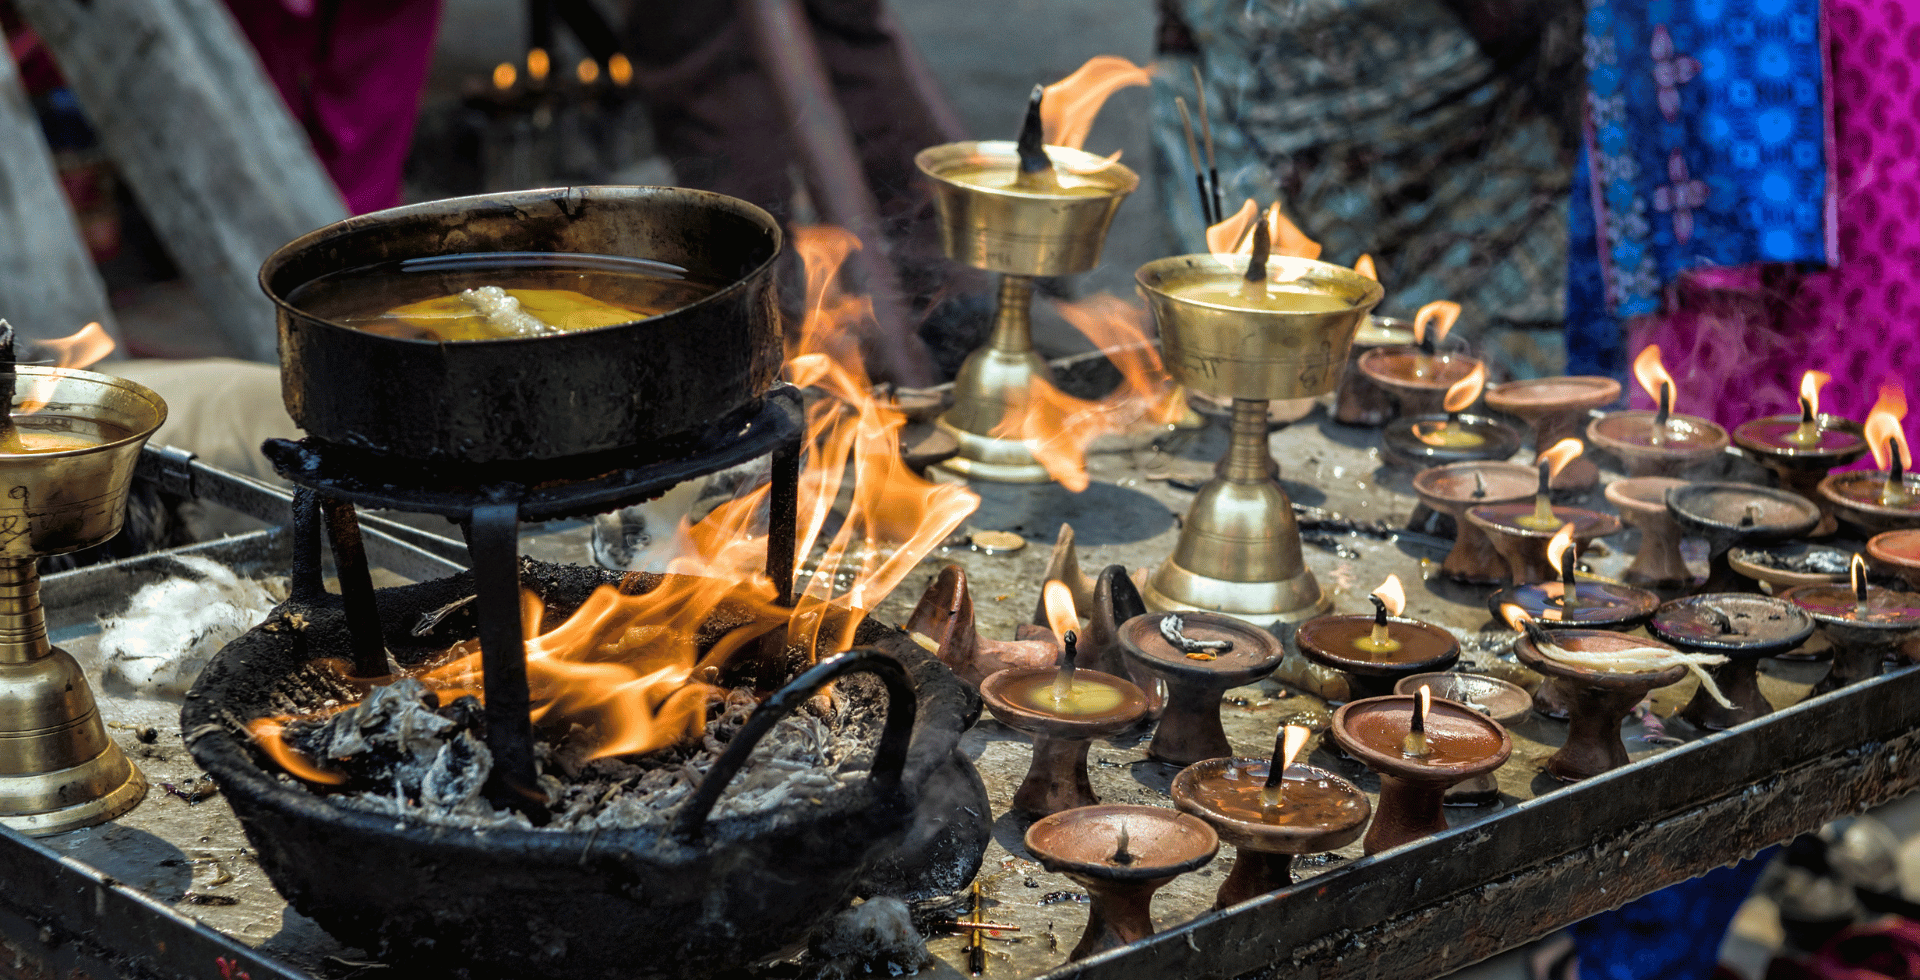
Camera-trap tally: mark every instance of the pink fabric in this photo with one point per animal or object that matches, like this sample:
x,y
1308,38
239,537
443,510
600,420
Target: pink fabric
x,y
355,88
1738,340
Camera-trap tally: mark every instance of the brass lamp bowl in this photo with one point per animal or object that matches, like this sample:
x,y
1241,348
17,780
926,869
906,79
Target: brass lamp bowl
x,y
1022,232
1256,355
58,769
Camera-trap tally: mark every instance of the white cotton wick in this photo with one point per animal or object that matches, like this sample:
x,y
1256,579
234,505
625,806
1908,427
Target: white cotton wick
x,y
504,312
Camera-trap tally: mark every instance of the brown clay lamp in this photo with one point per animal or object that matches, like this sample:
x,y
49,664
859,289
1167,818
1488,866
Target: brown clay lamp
x,y
1454,436
1064,709
1865,623
1377,649
1642,502
1453,488
1566,601
1358,401
1738,514
1800,449
1886,498
1121,855
1199,656
1520,532
1418,746
1743,628
1417,376
1782,566
943,623
1504,702
1556,409
1898,553
1271,810
1659,442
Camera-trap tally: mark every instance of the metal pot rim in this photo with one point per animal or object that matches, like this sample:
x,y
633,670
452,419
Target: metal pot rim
x,y
138,390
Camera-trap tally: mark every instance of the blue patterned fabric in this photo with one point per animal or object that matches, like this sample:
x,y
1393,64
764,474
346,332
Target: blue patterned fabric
x,y
1672,934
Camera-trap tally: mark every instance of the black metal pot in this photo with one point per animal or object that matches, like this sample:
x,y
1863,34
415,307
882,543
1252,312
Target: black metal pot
x,y
545,397
704,896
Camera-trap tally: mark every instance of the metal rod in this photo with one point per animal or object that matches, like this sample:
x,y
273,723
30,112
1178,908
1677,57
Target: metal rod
x,y
307,587
493,538
356,589
783,521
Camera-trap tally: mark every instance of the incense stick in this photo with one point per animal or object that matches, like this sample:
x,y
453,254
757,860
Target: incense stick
x,y
1207,214
1206,134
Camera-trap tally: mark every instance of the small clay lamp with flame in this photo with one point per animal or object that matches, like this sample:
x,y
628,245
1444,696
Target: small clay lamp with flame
x,y
1453,488
1271,810
1642,502
1418,375
1503,701
1886,498
1200,656
1063,708
1454,437
1865,623
943,623
1121,855
1660,442
1419,746
1730,515
1744,628
1377,650
1556,409
1567,602
1800,449
1520,531
1605,675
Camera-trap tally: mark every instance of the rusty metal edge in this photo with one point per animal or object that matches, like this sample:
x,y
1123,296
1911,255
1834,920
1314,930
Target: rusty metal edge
x,y
1522,872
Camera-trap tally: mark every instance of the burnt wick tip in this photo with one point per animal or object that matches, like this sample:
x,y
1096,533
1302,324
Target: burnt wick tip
x,y
1032,145
1262,251
1379,610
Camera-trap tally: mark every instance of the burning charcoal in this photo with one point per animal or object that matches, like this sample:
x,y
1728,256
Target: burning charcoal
x,y
467,714
393,734
873,938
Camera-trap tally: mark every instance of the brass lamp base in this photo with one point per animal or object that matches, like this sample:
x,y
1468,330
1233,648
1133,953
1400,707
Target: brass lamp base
x,y
993,385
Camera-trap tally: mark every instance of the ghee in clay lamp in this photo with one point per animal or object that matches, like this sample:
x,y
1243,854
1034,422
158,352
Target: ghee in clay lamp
x,y
1063,708
1865,623
1743,628
1659,442
1886,498
1568,602
1271,810
1419,746
1504,702
1556,409
1358,401
1022,209
1800,449
1898,553
1252,329
1418,375
1200,656
1604,676
1730,515
1121,855
1454,488
1421,441
1642,502
1520,532
1377,650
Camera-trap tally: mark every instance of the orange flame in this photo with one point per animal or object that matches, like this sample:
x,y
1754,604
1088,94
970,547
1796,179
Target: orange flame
x,y
1058,428
267,733
1392,594
1558,546
1069,106
76,350
1464,392
620,69
1365,267
1515,616
1225,236
1439,315
1233,235
1560,454
1292,740
538,64
1810,385
1883,431
1652,374
588,71
1287,237
1061,615
504,75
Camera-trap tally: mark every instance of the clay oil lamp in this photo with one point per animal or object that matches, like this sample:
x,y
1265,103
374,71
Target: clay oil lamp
x,y
1605,675
1520,532
1897,553
1741,627
1782,566
1800,449
1358,401
1568,602
1736,514
1063,708
1453,488
943,623
1418,746
1504,702
1378,649
1642,502
1271,810
1556,409
1121,855
1865,623
1199,656
1660,442
1455,436
1418,375
1886,498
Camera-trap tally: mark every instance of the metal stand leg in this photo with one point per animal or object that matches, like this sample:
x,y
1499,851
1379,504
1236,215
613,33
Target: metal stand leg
x,y
307,585
783,518
356,590
493,538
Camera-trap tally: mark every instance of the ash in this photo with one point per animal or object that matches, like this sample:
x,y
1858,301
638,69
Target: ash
x,y
407,756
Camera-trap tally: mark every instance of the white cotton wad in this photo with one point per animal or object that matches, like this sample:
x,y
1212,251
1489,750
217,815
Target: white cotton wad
x,y
171,628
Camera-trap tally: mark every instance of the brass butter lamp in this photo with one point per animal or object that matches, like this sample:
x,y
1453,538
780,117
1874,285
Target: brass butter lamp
x,y
1021,209
58,769
1239,547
